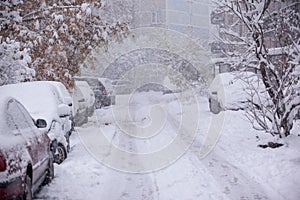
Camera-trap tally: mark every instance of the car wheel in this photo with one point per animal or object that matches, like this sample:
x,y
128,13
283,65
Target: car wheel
x,y
50,173
27,188
61,154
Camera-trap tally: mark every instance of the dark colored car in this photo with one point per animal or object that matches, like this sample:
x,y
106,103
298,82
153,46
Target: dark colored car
x,y
26,160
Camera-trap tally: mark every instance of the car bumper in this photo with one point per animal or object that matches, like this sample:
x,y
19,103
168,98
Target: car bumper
x,y
11,189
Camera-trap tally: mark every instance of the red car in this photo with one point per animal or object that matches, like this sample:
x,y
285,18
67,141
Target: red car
x,y
26,161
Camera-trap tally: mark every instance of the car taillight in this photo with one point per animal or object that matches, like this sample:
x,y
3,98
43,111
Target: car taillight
x,y
2,163
104,92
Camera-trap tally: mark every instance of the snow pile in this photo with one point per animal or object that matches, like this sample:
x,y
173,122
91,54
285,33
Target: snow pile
x,y
276,170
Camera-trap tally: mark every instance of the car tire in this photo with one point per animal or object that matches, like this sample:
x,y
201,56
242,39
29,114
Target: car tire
x,y
61,154
27,188
50,173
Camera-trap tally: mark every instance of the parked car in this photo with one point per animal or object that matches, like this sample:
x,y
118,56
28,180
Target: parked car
x,y
63,93
228,92
65,98
41,100
26,160
84,102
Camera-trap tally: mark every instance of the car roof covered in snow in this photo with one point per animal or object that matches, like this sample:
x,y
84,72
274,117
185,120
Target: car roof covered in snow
x,y
61,89
39,99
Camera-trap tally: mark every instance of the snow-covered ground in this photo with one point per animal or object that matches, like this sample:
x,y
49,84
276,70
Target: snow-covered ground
x,y
235,169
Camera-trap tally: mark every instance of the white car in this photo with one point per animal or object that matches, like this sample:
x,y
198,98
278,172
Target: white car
x,y
41,100
229,91
65,98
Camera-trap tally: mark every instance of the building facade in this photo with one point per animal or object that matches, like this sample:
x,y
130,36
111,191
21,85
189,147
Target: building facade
x,y
190,17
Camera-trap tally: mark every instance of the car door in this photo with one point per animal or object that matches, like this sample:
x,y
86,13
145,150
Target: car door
x,y
23,122
43,147
41,143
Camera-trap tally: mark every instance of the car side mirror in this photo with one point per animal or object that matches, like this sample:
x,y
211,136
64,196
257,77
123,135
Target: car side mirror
x,y
64,110
41,123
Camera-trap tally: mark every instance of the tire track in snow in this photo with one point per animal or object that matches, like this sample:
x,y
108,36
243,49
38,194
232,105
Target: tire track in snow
x,y
135,186
233,182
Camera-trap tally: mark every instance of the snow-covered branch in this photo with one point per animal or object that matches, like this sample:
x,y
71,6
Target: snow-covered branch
x,y
60,34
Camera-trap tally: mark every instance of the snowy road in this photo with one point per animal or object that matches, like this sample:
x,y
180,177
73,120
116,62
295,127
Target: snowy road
x,y
230,171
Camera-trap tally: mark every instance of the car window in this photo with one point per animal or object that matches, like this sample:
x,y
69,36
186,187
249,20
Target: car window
x,y
10,123
18,117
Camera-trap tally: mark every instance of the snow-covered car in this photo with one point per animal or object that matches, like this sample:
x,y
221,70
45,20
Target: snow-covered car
x,y
41,100
25,157
84,101
65,98
228,91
